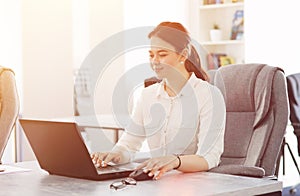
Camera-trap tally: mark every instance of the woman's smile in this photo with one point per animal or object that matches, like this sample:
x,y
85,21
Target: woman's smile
x,y
157,69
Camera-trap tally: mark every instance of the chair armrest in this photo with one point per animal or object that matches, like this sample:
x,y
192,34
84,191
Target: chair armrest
x,y
240,170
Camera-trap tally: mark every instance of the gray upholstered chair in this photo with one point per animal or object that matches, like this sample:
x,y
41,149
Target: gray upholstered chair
x,y
9,106
257,115
293,87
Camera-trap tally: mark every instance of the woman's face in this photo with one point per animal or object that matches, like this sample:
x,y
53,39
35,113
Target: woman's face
x,y
165,61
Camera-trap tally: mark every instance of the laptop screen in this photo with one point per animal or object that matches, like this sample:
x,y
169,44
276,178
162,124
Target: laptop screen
x,y
60,149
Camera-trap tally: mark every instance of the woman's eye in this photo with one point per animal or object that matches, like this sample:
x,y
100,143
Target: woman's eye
x,y
163,55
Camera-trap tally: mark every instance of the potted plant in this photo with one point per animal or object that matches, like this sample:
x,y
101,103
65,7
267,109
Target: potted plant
x,y
216,33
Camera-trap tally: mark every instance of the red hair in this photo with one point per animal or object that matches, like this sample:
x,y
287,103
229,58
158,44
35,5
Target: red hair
x,y
177,35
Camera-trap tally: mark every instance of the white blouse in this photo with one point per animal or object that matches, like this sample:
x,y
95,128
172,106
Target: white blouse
x,y
193,122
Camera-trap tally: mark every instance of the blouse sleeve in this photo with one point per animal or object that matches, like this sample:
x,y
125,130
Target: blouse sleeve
x,y
212,127
134,134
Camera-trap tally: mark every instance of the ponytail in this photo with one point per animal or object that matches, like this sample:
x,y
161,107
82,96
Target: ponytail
x,y
193,64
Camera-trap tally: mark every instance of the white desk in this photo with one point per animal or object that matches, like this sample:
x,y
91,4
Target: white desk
x,y
38,182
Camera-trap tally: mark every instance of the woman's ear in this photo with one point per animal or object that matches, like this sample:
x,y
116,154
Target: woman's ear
x,y
184,54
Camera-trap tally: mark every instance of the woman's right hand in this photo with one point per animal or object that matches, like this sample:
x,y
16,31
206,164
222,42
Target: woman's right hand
x,y
101,159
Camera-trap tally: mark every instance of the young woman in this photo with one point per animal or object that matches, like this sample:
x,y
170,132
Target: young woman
x,y
182,117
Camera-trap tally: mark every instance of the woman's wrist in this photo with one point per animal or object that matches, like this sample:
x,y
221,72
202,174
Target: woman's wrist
x,y
178,161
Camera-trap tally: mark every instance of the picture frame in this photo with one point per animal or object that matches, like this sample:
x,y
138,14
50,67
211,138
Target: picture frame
x,y
237,29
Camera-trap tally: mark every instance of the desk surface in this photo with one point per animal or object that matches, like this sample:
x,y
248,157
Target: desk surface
x,y
38,182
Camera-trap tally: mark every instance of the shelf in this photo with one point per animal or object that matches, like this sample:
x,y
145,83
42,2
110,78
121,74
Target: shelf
x,y
220,6
223,42
223,15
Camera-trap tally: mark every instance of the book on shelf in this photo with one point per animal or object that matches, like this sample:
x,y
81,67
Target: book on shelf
x,y
237,30
226,60
209,2
213,60
216,60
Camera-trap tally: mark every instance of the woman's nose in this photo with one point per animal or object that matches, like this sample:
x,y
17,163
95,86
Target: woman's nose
x,y
155,60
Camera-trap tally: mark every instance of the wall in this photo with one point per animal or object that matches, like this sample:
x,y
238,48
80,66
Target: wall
x,y
271,33
51,53
47,58
106,19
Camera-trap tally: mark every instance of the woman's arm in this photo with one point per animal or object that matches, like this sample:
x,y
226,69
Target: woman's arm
x,y
212,128
191,163
158,166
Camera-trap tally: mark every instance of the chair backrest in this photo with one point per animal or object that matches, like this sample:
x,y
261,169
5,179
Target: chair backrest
x,y
293,86
256,114
9,106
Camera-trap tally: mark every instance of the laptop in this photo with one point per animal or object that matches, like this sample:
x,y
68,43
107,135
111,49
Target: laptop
x,y
60,150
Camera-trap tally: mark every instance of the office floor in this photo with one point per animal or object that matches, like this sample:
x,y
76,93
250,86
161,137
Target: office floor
x,y
291,176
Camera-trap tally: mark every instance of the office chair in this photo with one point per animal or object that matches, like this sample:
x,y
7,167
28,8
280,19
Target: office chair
x,y
9,106
256,118
293,87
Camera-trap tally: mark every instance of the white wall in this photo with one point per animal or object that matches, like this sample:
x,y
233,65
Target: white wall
x,y
106,19
57,36
271,33
143,12
47,58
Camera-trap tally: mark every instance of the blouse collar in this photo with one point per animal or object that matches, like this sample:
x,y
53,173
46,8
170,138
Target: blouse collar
x,y
186,90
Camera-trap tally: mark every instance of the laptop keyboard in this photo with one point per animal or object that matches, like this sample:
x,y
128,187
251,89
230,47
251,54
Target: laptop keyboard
x,y
108,169
116,168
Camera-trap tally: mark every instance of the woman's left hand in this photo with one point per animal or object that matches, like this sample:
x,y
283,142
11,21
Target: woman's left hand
x,y
160,165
